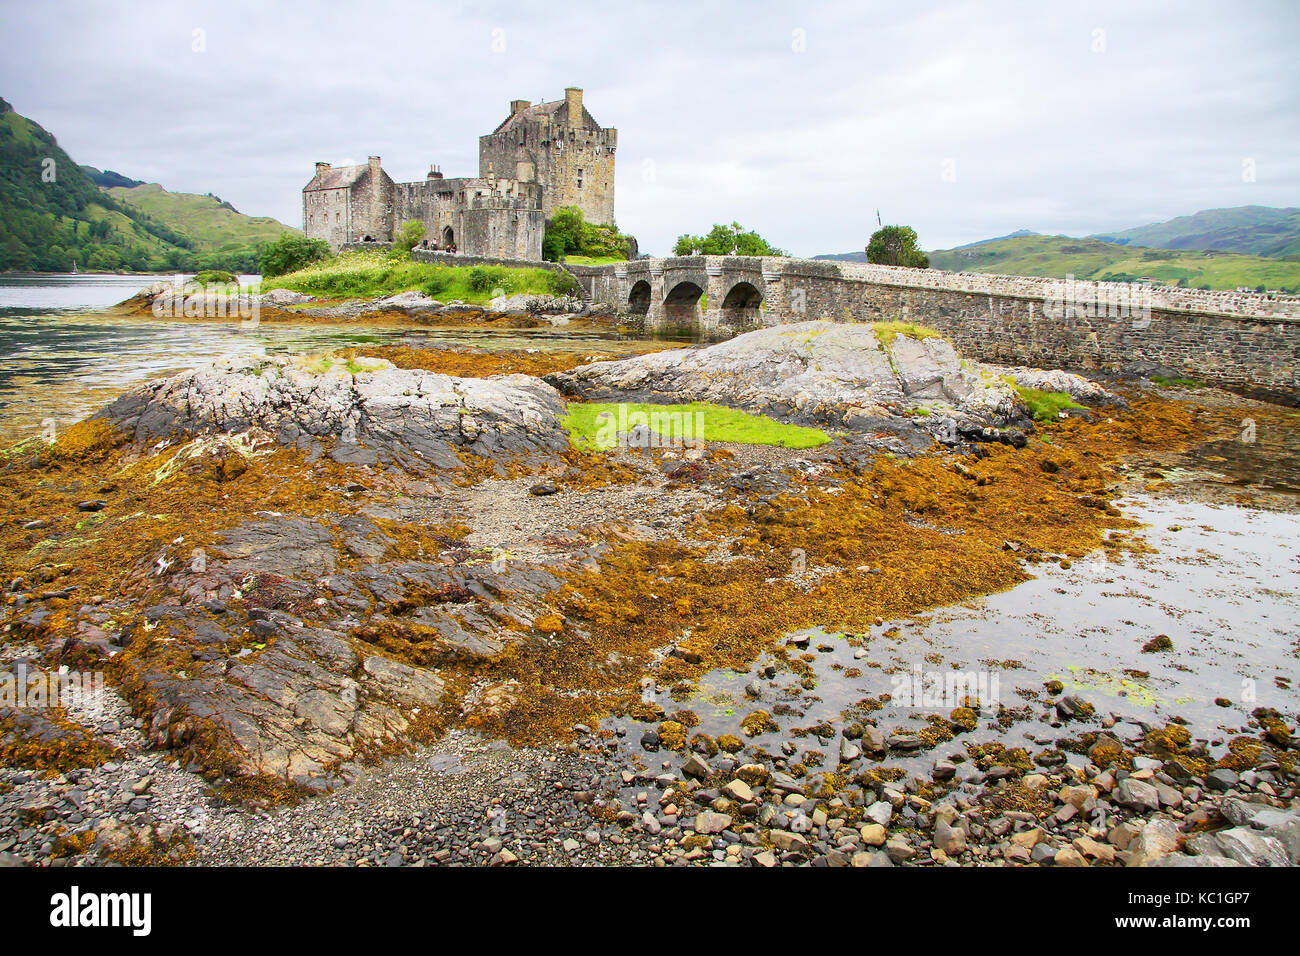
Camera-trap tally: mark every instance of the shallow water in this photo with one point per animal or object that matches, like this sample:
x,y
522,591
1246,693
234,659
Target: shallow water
x,y
45,294
1223,585
58,361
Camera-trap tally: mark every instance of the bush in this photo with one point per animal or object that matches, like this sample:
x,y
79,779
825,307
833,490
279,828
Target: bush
x,y
290,253
562,283
408,234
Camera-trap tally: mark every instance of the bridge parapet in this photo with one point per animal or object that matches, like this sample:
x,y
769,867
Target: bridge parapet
x,y
1228,337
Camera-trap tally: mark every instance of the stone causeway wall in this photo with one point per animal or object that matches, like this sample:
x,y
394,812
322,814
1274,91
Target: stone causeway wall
x,y
1230,338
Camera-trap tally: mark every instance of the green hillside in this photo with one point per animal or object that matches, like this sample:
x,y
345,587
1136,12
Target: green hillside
x,y
1058,256
1254,230
53,215
213,225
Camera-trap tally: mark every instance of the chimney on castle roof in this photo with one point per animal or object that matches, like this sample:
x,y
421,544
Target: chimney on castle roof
x,y
573,101
373,162
435,172
518,106
321,167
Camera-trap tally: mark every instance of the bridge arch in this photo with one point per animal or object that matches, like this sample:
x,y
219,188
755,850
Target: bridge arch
x,y
682,307
638,299
742,306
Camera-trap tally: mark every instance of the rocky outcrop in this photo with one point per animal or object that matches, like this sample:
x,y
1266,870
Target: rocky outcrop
x,y
1056,380
380,414
815,373
284,678
538,304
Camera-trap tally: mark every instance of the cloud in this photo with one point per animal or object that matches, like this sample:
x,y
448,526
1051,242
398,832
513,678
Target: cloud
x,y
964,120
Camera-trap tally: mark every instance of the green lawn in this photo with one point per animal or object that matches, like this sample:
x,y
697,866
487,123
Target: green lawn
x,y
592,260
590,428
372,274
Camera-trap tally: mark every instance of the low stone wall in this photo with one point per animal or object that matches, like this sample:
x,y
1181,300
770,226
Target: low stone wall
x,y
1228,338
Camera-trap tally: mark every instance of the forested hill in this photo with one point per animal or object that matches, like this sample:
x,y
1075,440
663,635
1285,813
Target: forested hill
x,y
53,214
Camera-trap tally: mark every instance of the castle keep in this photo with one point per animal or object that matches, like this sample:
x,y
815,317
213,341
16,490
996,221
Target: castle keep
x,y
540,158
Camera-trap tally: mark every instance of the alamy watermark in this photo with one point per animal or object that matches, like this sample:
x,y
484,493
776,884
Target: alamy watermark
x,y
925,687
1072,299
216,300
80,690
638,428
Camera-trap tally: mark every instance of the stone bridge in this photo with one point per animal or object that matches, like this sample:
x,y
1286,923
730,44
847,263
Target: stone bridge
x,y
1232,338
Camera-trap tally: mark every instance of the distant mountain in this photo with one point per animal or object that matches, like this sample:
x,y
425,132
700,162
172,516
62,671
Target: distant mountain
x,y
862,256
1019,233
106,178
1059,256
1244,246
1255,230
54,215
215,226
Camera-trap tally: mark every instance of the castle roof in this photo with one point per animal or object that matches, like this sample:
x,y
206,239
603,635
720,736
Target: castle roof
x,y
335,177
557,111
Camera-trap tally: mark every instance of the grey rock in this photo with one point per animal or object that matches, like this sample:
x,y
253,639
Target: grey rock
x,y
811,371
1137,795
1250,848
1221,779
880,812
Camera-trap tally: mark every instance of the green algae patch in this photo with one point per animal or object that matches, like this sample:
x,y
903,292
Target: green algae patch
x,y
597,426
886,332
352,364
1046,406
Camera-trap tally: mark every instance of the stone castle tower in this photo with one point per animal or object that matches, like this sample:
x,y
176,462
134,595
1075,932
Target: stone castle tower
x,y
541,157
562,148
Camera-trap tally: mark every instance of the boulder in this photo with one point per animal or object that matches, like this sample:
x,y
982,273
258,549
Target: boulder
x,y
815,372
383,413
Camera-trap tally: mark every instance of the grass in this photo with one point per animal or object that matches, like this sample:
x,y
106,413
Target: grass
x,y
1165,382
353,365
374,274
592,260
589,429
213,225
887,331
1046,406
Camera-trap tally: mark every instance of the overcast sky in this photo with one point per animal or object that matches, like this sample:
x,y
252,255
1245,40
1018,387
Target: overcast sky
x,y
963,120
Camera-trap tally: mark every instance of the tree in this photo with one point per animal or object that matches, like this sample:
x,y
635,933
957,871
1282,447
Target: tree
x,y
568,233
732,240
290,253
896,246
408,234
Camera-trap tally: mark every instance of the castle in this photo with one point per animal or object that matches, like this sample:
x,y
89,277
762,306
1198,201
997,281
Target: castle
x,y
540,158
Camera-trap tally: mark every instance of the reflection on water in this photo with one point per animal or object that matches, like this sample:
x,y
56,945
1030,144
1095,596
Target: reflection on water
x,y
43,294
1223,585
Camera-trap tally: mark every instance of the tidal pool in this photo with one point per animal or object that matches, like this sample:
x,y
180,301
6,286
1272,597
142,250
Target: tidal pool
x,y
1223,584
